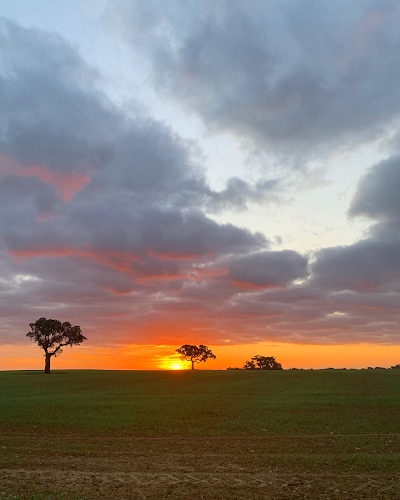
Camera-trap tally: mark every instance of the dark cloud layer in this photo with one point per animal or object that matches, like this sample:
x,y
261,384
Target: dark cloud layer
x,y
268,269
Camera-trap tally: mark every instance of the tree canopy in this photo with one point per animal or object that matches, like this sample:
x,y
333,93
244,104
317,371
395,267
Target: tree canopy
x,y
52,335
195,354
262,363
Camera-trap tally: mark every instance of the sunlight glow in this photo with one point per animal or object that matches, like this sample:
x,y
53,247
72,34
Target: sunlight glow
x,y
175,366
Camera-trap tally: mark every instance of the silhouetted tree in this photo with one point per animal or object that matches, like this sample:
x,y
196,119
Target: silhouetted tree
x,y
250,365
195,354
262,363
51,335
395,367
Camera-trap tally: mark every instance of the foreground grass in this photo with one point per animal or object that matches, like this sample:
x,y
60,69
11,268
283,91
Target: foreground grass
x,y
201,403
104,435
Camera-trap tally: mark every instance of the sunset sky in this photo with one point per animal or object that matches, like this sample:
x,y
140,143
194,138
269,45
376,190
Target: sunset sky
x,y
220,172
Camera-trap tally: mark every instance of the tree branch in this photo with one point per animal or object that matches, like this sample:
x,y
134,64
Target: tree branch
x,y
58,348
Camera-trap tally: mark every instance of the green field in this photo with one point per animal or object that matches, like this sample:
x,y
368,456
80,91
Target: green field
x,y
202,403
202,434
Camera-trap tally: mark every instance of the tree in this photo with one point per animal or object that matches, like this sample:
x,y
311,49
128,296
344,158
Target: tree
x,y
52,335
250,365
195,354
262,363
395,367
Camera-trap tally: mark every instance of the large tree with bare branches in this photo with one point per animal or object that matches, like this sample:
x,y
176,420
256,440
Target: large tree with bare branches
x,y
52,335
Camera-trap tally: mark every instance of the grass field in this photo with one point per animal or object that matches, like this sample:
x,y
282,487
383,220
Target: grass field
x,y
202,434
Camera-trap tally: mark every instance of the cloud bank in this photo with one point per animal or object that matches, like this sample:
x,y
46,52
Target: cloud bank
x,y
106,214
295,78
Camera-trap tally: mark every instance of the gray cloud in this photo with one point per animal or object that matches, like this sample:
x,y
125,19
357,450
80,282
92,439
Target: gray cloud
x,y
58,127
266,269
365,261
238,193
376,257
377,195
51,113
291,77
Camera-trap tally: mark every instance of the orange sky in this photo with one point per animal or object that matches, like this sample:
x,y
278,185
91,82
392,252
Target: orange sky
x,y
151,357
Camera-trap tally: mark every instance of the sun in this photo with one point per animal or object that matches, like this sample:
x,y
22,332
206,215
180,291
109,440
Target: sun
x,y
175,366
172,363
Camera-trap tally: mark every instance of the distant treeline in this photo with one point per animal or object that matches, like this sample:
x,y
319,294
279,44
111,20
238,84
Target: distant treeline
x,y
395,367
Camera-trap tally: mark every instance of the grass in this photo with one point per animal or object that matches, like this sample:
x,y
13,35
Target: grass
x,y
202,403
327,434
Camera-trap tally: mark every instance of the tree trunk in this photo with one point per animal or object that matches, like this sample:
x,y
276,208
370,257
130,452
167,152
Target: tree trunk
x,y
47,366
192,364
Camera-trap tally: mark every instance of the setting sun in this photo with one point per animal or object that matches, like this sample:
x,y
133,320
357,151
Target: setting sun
x,y
172,364
175,366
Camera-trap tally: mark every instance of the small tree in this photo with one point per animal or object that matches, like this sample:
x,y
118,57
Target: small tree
x,y
52,335
250,365
262,363
195,354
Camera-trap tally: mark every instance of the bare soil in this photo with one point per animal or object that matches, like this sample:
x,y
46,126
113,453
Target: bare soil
x,y
270,468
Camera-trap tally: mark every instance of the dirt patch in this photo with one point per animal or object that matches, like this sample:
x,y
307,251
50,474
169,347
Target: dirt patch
x,y
360,467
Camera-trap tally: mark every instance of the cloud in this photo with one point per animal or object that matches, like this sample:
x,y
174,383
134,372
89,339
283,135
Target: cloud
x,y
268,269
154,237
293,78
58,126
377,195
96,206
366,261
52,115
105,215
67,184
375,257
238,193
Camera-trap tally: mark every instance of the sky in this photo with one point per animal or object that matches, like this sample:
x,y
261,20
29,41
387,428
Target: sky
x,y
207,172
